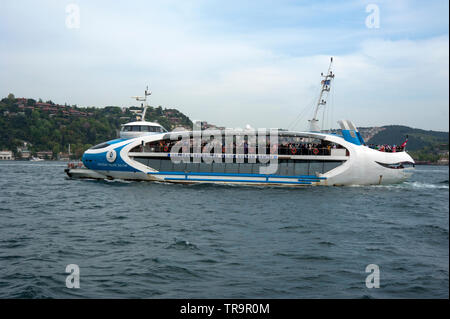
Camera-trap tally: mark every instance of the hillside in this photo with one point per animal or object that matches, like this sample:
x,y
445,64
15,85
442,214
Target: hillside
x,y
46,126
418,139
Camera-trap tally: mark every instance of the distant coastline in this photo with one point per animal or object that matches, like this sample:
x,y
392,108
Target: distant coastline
x,y
46,130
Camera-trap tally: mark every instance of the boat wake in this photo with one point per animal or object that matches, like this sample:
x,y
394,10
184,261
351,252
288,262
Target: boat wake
x,y
441,185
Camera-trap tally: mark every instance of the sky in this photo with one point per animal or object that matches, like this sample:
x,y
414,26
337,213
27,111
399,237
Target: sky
x,y
234,63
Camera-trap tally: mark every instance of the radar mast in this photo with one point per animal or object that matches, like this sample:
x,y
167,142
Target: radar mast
x,y
326,83
143,99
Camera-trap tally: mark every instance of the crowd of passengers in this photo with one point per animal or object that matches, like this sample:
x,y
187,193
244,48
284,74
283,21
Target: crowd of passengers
x,y
387,148
282,148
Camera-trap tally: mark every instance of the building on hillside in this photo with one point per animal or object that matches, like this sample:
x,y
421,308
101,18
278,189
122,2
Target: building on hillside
x,y
45,154
23,150
24,153
443,161
6,155
63,156
181,128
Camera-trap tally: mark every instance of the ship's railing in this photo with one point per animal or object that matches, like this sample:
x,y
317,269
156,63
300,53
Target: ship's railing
x,y
287,149
303,150
387,148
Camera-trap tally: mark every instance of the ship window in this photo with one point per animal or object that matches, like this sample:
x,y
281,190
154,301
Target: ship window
x,y
301,168
192,167
256,167
328,166
219,167
142,160
315,167
232,168
126,128
245,168
179,167
166,165
154,163
102,145
205,167
136,128
283,168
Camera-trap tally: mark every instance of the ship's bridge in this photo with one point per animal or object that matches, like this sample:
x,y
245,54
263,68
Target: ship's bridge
x,y
141,128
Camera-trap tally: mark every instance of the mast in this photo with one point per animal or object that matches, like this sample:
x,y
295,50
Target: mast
x,y
143,99
326,82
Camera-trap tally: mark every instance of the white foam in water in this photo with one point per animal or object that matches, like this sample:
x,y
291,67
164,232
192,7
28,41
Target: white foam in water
x,y
408,185
430,171
117,180
425,185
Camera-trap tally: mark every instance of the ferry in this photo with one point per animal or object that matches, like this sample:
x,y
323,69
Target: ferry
x,y
146,151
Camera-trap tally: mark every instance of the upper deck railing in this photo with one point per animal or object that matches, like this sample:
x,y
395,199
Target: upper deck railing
x,y
283,149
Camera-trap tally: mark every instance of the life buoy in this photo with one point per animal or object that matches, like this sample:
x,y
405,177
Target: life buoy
x,y
315,151
293,150
111,156
166,148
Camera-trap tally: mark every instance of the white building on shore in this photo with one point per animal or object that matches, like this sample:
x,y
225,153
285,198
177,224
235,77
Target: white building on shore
x,y
6,155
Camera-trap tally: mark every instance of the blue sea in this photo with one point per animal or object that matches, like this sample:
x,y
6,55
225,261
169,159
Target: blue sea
x,y
156,240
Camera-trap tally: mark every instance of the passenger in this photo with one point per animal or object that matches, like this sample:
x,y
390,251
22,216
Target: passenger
x,y
274,149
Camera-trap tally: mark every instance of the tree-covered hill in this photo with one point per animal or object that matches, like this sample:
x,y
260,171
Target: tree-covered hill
x,y
52,127
417,138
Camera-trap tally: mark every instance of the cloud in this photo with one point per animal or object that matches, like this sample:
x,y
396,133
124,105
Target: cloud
x,y
233,64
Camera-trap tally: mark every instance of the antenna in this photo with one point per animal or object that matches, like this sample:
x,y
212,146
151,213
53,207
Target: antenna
x,y
143,99
326,82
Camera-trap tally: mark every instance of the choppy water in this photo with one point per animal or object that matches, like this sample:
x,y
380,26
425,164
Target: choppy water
x,y
150,240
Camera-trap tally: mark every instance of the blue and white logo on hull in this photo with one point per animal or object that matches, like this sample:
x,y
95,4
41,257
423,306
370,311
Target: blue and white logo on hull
x,y
111,156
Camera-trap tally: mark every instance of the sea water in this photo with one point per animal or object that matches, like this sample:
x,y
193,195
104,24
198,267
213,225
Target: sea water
x,y
158,240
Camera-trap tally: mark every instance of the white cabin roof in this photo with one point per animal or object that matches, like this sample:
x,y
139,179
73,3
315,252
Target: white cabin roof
x,y
142,123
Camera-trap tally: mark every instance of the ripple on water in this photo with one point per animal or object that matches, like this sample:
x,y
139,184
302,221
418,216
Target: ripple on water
x,y
145,240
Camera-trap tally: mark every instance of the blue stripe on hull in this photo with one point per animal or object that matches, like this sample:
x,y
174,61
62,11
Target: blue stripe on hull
x,y
236,181
306,177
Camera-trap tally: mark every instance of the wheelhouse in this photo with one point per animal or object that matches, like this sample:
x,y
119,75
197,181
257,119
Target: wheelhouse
x,y
141,128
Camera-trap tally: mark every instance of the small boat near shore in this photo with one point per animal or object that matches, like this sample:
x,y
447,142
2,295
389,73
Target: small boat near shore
x,y
145,151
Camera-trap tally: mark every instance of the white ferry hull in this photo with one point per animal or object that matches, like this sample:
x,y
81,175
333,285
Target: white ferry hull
x,y
360,166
